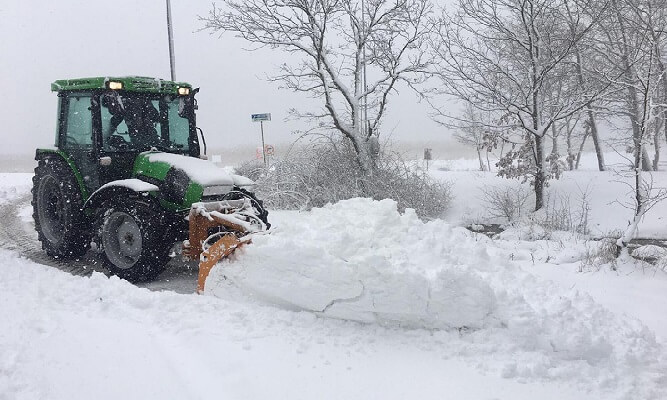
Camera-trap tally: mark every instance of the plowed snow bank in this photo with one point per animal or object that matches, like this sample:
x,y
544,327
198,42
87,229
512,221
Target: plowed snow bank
x,y
361,260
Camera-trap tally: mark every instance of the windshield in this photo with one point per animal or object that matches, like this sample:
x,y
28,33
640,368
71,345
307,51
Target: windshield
x,y
132,122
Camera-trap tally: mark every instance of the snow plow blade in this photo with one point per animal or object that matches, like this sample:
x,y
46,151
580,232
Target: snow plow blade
x,y
222,248
233,222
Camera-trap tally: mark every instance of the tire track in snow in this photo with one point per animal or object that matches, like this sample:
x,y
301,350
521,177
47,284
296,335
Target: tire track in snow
x,y
19,236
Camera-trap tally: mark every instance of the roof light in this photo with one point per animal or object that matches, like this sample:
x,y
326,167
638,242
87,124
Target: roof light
x,y
115,85
183,91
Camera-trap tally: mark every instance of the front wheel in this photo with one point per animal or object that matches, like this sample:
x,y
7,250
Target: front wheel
x,y
135,245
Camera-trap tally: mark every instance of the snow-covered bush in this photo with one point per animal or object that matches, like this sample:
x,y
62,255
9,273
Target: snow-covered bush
x,y
327,171
251,169
505,202
560,211
598,254
559,214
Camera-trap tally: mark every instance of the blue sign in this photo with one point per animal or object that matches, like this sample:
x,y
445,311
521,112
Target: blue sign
x,y
261,117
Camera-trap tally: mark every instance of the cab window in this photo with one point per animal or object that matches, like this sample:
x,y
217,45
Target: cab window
x,y
79,123
139,122
179,126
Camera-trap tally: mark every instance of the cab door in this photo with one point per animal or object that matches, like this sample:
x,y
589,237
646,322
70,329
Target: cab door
x,y
115,142
76,136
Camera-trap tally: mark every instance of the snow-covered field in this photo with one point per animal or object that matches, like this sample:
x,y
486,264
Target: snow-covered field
x,y
355,301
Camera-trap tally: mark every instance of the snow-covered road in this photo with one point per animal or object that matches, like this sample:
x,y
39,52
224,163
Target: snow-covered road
x,y
68,337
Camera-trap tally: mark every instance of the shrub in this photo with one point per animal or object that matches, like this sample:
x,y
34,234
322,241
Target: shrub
x,y
557,214
506,202
327,171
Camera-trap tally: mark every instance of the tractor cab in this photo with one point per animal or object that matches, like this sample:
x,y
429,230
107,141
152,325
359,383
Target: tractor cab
x,y
105,122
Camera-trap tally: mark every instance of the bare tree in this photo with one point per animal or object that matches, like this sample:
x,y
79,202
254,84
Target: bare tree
x,y
474,132
653,15
582,54
503,56
627,45
632,41
350,54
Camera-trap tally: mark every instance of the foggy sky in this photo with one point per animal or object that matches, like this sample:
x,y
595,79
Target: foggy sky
x,y
41,41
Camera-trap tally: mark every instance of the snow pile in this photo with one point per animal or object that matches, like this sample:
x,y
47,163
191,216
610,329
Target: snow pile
x,y
361,260
650,251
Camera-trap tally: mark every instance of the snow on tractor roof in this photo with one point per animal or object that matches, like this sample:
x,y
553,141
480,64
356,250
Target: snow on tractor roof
x,y
129,83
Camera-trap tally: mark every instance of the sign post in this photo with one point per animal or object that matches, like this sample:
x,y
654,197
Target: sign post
x,y
261,118
427,156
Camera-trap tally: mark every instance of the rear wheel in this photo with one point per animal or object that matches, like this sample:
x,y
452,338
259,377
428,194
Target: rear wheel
x,y
135,243
61,225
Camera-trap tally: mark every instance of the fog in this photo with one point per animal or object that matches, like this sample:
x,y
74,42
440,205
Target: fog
x,y
44,41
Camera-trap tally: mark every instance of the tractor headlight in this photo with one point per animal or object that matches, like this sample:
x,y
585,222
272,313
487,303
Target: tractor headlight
x,y
115,85
183,91
217,190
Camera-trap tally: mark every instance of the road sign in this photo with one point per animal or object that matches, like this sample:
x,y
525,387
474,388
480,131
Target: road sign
x,y
261,117
427,154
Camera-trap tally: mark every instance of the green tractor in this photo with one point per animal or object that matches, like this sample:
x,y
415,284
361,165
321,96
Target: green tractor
x,y
126,173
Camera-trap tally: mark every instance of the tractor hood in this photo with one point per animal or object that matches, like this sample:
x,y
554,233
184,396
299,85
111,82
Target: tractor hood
x,y
204,173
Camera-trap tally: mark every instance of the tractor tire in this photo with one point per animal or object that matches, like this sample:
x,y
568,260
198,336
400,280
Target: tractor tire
x,y
134,242
258,205
57,201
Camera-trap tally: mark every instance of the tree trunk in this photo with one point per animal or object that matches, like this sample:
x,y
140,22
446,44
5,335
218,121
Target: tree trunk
x,y
656,142
364,156
479,157
539,173
554,139
640,201
581,149
568,142
629,232
596,138
661,96
646,160
591,116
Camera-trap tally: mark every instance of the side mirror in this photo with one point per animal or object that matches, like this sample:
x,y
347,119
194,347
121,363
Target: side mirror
x,y
187,104
195,106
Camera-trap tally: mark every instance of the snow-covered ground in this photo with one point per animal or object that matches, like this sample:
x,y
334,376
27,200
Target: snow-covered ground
x,y
609,194
353,301
67,337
